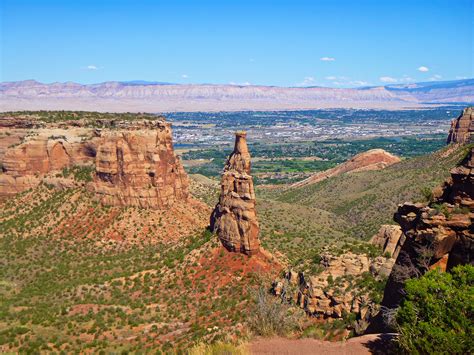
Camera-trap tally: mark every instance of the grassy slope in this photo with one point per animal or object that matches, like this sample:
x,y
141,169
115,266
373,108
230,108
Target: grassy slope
x,y
366,200
299,222
63,288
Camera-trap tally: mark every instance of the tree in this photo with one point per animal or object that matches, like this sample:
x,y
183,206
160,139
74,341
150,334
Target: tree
x,y
437,314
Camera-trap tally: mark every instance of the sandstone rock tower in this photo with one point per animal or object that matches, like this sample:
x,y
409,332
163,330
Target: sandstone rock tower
x,y
462,128
136,166
234,218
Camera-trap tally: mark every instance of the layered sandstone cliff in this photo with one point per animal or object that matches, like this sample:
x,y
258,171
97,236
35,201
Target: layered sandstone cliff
x,y
234,218
136,166
42,152
462,128
374,159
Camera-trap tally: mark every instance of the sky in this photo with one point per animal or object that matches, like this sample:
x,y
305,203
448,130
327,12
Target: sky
x,y
335,43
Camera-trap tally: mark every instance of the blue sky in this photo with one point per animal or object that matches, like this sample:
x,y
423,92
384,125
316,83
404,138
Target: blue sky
x,y
287,43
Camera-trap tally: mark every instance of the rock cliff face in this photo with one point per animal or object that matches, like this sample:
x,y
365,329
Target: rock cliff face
x,y
46,151
462,128
234,218
137,166
438,235
374,159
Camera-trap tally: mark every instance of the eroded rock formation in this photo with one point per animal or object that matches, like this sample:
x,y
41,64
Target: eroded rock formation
x,y
136,166
439,234
42,152
462,128
234,218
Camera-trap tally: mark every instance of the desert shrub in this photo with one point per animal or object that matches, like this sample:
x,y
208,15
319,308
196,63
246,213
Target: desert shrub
x,y
427,194
437,314
218,349
269,316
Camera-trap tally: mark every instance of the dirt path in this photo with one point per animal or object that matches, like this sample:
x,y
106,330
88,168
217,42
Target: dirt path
x,y
366,344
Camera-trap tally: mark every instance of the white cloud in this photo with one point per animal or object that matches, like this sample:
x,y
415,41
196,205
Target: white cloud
x,y
406,79
330,77
307,81
358,83
459,77
347,82
423,69
184,76
245,83
388,79
327,59
91,67
436,77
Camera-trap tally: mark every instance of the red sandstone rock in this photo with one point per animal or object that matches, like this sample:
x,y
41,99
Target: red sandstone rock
x,y
136,166
234,218
48,150
462,128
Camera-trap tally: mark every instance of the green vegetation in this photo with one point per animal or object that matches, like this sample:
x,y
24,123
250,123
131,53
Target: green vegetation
x,y
365,200
67,287
80,173
299,157
95,119
437,314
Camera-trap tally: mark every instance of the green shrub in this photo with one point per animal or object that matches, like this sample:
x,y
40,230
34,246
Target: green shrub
x,y
437,314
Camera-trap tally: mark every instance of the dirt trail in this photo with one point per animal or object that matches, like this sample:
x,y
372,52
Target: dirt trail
x,y
366,344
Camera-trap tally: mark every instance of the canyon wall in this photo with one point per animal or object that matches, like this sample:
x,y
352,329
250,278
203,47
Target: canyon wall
x,y
439,234
41,152
134,161
234,218
462,128
136,166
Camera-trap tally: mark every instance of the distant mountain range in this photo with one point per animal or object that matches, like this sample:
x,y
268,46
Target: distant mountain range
x,y
145,96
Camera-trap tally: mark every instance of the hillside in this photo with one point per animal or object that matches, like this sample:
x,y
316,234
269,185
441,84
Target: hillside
x,y
300,221
374,159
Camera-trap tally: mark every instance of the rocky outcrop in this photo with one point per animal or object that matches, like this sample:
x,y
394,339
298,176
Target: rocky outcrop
x,y
334,292
390,239
234,218
43,152
462,128
374,159
439,234
136,166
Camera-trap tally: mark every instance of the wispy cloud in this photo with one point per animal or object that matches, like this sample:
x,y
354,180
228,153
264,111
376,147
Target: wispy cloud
x,y
459,77
344,81
388,79
327,59
423,69
403,79
307,81
184,76
91,67
245,83
436,77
